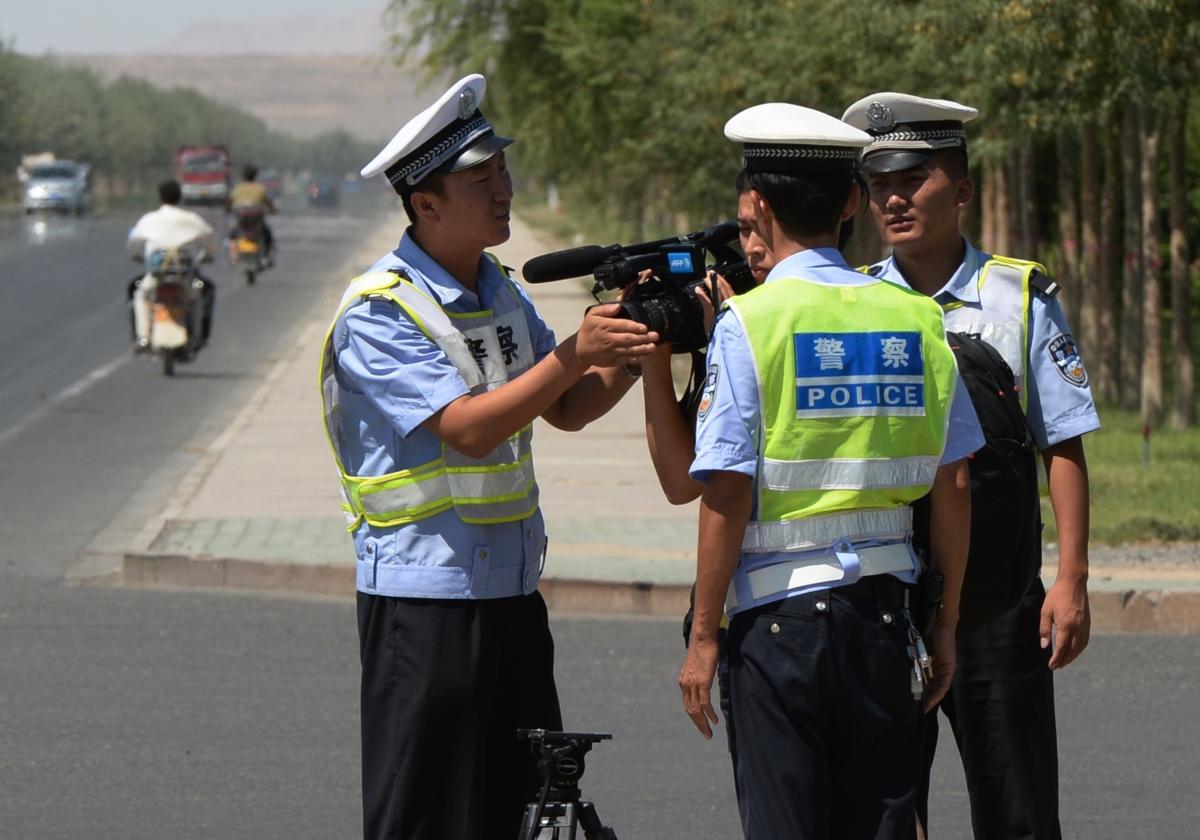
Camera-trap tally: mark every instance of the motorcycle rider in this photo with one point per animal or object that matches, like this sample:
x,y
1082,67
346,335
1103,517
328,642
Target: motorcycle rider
x,y
170,227
248,195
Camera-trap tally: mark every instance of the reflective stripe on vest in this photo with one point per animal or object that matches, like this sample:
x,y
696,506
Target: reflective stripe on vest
x,y
866,404
813,532
487,348
1002,319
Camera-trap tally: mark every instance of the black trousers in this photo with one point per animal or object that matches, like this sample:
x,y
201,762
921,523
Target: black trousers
x,y
829,734
445,686
1001,710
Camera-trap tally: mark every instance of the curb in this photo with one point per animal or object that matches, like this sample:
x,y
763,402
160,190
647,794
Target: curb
x,y
1154,611
149,570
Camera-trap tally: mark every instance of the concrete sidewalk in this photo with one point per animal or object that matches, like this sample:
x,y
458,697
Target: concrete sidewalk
x,y
615,543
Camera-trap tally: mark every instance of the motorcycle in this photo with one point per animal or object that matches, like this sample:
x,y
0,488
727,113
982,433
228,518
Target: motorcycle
x,y
247,244
180,306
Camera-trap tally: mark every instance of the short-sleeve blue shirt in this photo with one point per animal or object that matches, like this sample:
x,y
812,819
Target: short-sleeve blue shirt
x,y
727,435
391,378
1059,407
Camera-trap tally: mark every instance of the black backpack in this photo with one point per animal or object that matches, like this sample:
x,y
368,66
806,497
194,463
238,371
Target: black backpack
x,y
1006,532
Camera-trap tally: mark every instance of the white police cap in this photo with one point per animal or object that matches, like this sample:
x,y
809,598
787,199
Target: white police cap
x,y
784,138
450,134
907,130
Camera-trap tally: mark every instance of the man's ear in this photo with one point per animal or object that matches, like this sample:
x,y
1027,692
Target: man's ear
x,y
853,202
425,206
964,192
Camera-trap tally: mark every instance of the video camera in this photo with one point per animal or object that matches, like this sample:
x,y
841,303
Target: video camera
x,y
667,304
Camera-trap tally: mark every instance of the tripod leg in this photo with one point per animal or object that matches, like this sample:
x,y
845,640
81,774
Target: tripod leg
x,y
593,829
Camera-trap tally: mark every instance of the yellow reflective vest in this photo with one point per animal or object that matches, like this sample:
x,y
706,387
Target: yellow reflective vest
x,y
500,487
855,384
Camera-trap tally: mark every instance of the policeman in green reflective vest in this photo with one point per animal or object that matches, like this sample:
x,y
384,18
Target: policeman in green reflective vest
x,y
434,368
830,404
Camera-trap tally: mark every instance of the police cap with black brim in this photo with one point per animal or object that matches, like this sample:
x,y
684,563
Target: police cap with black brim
x,y
786,139
450,135
907,130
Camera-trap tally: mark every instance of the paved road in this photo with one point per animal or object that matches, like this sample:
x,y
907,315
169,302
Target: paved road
x,y
82,422
143,714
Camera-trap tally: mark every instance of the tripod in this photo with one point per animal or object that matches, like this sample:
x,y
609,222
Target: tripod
x,y
559,813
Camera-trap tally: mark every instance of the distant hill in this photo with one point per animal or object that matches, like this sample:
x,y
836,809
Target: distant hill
x,y
364,94
361,32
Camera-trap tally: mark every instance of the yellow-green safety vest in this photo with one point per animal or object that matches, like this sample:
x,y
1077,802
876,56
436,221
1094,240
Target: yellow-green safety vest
x,y
855,384
500,487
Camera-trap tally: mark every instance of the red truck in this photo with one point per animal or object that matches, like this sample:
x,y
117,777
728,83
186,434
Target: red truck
x,y
204,174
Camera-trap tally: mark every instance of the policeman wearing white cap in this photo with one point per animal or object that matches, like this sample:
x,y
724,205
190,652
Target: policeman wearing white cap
x,y
433,371
916,172
828,407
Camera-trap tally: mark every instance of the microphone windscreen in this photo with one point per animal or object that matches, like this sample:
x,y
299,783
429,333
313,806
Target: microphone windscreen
x,y
560,265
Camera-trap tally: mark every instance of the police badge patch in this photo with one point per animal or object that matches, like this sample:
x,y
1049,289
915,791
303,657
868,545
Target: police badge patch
x,y
1065,354
710,390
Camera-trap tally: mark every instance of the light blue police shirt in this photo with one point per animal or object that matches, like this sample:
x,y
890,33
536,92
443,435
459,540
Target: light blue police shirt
x,y
1058,408
727,432
391,379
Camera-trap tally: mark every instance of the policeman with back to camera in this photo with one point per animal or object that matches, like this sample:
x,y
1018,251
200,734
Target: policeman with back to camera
x,y
828,407
1001,703
434,369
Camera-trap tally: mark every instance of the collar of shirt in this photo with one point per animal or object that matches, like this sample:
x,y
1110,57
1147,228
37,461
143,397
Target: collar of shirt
x,y
815,264
441,283
963,284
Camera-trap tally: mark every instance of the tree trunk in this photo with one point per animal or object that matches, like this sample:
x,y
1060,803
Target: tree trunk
x,y
1027,206
1068,222
1002,214
1183,406
1090,338
987,215
1110,239
1131,277
1152,375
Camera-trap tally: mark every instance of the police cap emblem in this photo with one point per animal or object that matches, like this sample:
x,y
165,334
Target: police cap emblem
x,y
880,117
1065,354
466,103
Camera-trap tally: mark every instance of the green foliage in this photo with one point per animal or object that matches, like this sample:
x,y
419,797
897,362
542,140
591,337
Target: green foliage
x,y
1132,502
129,129
624,100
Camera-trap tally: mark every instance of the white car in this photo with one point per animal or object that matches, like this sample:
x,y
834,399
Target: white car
x,y
62,185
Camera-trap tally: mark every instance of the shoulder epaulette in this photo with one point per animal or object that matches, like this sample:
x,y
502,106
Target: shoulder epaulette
x,y
1042,283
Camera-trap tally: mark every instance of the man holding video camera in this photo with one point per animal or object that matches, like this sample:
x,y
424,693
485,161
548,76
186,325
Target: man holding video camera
x,y
827,408
433,371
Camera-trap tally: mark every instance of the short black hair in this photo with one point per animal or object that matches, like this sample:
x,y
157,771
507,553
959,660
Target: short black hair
x,y
433,182
249,171
169,192
806,205
954,162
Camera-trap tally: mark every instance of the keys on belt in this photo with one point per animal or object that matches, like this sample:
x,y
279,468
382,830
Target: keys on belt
x,y
922,671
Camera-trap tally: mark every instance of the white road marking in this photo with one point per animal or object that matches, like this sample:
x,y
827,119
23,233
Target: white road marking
x,y
73,390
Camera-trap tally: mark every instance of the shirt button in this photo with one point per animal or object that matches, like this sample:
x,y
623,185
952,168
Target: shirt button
x,y
822,606
886,617
483,554
774,628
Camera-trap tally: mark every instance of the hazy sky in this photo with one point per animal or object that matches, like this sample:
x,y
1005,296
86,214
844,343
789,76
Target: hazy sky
x,y
123,26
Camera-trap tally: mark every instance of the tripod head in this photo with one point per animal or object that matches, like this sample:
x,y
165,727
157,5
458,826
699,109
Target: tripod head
x,y
560,758
560,764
